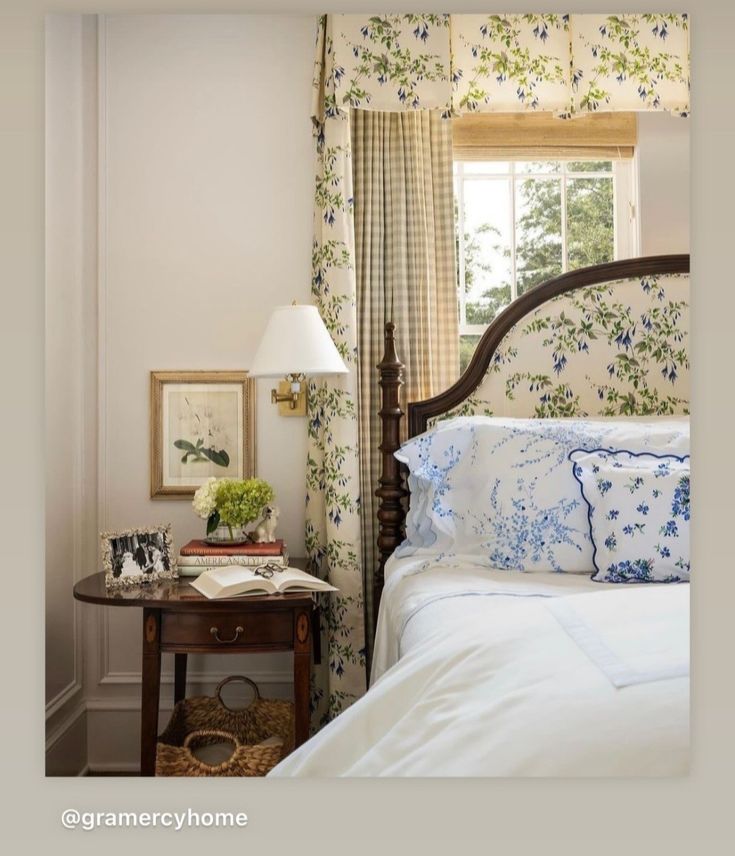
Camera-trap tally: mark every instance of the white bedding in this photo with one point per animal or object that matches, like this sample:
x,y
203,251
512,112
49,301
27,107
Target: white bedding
x,y
411,584
494,673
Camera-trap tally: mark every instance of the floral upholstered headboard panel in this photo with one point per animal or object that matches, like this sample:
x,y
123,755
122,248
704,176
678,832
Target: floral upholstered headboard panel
x,y
617,346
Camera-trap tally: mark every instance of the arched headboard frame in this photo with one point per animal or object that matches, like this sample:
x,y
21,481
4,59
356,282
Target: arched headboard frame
x,y
391,491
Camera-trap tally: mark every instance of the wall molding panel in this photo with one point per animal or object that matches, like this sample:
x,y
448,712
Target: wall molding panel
x,y
66,741
70,215
207,678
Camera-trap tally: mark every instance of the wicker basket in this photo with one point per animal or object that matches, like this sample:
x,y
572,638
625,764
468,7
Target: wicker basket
x,y
203,720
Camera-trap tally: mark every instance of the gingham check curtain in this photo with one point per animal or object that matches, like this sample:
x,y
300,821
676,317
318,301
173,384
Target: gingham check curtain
x,y
405,272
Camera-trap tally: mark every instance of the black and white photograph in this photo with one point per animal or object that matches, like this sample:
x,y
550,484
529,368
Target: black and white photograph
x,y
137,556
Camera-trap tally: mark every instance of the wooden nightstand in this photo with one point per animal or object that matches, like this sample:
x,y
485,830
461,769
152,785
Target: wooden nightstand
x,y
178,619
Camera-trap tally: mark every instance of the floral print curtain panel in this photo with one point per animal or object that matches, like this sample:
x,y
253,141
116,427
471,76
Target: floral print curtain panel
x,y
567,64
333,540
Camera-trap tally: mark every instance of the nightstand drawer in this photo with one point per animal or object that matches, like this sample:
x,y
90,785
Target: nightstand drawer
x,y
223,630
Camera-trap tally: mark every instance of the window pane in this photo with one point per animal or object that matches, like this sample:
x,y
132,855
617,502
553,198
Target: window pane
x,y
489,257
590,227
589,166
486,248
531,167
467,345
538,231
486,167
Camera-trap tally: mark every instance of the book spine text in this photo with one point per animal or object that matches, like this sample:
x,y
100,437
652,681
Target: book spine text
x,y
222,561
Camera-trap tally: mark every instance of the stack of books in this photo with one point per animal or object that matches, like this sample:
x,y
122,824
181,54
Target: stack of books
x,y
198,556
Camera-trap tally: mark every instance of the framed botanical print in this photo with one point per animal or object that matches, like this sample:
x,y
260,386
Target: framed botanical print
x,y
202,425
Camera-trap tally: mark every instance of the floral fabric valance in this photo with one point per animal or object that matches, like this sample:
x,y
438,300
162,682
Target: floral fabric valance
x,y
566,64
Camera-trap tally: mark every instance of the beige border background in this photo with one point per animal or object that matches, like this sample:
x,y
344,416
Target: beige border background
x,y
463,816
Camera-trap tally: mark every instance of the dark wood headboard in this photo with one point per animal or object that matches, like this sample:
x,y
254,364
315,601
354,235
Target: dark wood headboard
x,y
593,284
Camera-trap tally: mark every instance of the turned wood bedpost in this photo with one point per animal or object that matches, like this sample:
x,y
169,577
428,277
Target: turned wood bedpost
x,y
391,514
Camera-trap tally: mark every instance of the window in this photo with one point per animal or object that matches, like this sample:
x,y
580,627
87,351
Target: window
x,y
522,222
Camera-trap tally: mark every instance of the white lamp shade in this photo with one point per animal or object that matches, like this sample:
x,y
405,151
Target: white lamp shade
x,y
295,341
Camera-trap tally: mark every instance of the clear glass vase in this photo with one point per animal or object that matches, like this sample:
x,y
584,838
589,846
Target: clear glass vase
x,y
224,534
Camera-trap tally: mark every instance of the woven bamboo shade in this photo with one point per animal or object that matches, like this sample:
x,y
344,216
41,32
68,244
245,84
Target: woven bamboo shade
x,y
534,136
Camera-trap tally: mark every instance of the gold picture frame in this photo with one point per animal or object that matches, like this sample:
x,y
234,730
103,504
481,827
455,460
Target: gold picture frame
x,y
202,424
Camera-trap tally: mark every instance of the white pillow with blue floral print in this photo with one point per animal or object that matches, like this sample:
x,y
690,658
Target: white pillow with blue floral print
x,y
499,492
639,514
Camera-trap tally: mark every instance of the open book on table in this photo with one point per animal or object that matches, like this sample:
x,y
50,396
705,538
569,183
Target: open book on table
x,y
236,581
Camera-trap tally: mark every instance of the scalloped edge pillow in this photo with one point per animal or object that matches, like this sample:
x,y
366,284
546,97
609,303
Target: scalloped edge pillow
x,y
639,514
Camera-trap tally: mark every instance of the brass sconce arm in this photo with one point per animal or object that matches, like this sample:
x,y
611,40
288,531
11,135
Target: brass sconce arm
x,y
291,394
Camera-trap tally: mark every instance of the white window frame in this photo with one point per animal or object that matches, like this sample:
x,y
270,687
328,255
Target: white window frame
x,y
626,229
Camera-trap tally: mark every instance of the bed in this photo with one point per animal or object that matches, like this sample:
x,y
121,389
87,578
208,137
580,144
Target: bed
x,y
506,654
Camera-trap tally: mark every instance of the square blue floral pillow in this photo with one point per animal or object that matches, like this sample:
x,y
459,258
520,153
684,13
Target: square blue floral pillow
x,y
638,509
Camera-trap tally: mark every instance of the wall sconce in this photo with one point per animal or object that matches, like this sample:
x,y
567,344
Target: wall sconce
x,y
295,344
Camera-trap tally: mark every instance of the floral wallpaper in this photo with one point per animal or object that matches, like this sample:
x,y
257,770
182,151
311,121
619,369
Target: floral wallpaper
x,y
561,63
615,349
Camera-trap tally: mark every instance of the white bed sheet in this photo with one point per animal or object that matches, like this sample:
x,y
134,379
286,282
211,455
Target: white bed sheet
x,y
412,584
475,675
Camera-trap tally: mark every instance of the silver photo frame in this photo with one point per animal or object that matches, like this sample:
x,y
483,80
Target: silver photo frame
x,y
133,557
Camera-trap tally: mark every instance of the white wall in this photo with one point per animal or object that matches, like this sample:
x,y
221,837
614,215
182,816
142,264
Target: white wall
x,y
208,226
663,183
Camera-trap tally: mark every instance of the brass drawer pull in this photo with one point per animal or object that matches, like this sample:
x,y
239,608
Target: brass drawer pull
x,y
215,632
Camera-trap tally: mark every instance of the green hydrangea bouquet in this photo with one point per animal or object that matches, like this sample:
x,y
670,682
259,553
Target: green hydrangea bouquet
x,y
231,502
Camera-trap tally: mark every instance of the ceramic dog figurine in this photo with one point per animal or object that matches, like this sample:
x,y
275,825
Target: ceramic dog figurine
x,y
265,531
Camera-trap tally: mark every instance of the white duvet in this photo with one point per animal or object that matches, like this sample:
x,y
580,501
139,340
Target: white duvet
x,y
482,673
